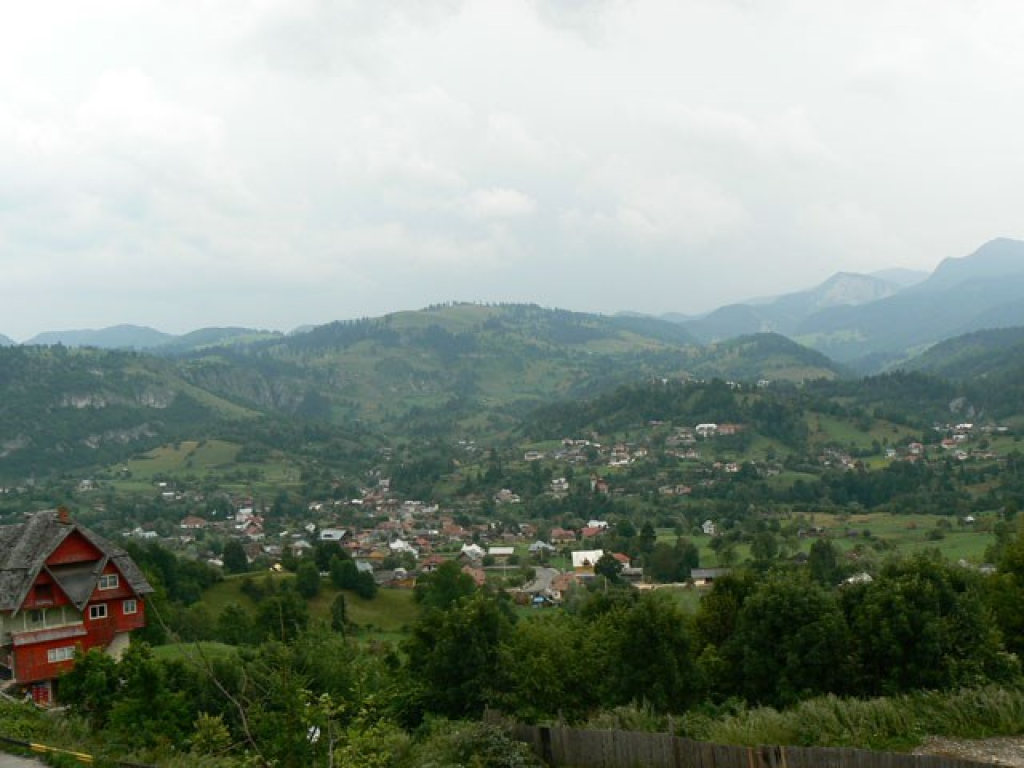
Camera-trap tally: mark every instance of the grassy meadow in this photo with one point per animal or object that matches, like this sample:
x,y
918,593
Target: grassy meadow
x,y
208,460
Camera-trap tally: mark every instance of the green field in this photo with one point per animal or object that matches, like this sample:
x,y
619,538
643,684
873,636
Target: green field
x,y
903,534
206,460
392,610
200,652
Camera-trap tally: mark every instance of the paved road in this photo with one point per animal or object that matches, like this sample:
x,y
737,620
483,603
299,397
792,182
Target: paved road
x,y
542,580
10,761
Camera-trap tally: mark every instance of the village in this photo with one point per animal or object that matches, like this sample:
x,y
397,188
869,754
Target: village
x,y
538,560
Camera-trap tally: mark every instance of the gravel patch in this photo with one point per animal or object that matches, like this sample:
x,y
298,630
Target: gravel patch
x,y
1008,751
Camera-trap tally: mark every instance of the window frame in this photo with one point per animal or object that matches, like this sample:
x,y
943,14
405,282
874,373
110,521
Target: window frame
x,y
108,581
98,611
57,655
134,606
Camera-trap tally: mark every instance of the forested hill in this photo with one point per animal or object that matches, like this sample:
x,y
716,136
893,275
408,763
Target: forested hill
x,y
778,411
469,369
983,353
62,408
763,356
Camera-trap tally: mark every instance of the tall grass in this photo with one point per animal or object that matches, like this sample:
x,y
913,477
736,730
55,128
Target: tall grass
x,y
892,723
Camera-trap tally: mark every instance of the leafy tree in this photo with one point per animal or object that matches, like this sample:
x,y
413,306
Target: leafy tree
x,y
608,567
234,557
235,625
764,547
444,587
324,551
282,616
89,686
453,654
344,572
339,614
647,539
653,655
366,586
307,579
923,624
149,709
791,642
822,562
555,664
673,563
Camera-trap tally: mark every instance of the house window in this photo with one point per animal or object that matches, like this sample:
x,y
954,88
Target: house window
x,y
129,607
67,653
108,581
98,611
35,617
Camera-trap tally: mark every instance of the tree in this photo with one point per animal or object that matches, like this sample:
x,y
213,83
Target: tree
x,y
339,614
670,564
764,547
89,686
366,586
283,615
648,538
791,642
554,664
608,567
822,562
922,624
344,572
307,579
235,626
444,587
235,559
653,659
453,654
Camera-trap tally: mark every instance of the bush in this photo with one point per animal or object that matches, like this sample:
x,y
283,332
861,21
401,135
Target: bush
x,y
451,744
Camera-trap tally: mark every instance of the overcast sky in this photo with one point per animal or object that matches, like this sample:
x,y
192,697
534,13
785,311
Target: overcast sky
x,y
273,163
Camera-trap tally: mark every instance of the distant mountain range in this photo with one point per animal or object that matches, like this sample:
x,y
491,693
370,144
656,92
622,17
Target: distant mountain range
x,y
980,291
868,323
878,321
6,342
784,314
144,338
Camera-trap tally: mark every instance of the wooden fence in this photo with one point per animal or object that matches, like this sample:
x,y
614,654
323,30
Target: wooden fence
x,y
570,747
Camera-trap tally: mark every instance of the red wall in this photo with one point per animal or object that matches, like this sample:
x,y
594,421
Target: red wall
x,y
30,662
74,549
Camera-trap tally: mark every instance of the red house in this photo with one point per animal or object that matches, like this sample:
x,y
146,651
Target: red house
x,y
63,589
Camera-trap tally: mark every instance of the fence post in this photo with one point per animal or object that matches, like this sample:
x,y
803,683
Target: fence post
x,y
545,745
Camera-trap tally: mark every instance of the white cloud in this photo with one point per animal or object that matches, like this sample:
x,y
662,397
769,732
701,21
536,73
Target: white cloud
x,y
276,157
500,203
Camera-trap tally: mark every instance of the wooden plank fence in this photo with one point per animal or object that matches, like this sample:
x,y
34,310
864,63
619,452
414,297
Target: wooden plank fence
x,y
576,748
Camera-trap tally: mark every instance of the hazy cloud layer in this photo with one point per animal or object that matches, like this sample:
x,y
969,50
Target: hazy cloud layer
x,y
282,162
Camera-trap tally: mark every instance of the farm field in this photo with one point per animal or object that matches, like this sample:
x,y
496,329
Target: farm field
x,y
391,610
206,460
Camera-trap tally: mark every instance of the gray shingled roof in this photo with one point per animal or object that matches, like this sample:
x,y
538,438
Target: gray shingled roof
x,y
25,547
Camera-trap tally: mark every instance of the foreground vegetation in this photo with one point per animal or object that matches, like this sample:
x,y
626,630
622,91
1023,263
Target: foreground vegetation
x,y
774,654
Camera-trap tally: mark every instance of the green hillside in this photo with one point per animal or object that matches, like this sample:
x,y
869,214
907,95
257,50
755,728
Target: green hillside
x,y
463,369
982,353
763,356
62,408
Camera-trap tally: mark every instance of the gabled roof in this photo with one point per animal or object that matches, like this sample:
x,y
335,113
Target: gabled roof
x,y
24,549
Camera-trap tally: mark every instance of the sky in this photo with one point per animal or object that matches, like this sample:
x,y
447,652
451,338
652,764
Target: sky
x,y
277,163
